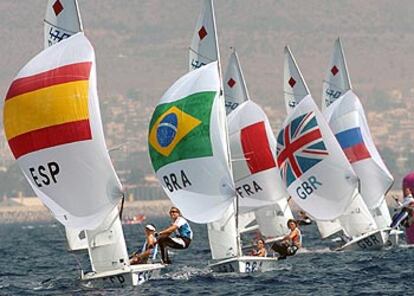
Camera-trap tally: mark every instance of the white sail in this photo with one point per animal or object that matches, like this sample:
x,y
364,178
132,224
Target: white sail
x,y
347,120
59,143
235,90
357,219
188,146
62,20
256,177
328,228
294,86
204,45
382,215
312,164
223,236
272,220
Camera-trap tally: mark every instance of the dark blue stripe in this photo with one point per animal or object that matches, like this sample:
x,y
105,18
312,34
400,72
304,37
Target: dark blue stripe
x,y
349,137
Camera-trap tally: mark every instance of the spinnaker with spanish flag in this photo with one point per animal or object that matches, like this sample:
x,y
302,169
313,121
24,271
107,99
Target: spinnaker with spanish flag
x,y
187,146
53,126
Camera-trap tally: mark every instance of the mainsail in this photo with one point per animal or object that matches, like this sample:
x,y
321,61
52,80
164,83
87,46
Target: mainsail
x,y
347,120
53,127
294,86
62,20
188,147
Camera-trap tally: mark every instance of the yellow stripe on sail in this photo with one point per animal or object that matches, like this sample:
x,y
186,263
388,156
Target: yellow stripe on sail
x,y
46,107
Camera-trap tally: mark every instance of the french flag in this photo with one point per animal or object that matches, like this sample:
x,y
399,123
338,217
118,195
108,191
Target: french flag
x,y
353,144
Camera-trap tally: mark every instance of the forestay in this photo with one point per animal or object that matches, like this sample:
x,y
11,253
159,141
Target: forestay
x,y
188,148
347,120
312,164
235,90
53,127
62,20
294,86
204,46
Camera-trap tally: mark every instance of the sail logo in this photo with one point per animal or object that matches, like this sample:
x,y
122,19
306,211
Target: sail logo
x,y
170,128
48,109
181,129
299,147
353,145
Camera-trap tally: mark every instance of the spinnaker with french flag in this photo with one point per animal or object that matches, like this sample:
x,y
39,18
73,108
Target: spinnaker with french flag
x,y
347,120
53,126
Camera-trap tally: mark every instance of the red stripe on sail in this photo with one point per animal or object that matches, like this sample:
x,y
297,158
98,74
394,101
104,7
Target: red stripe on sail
x,y
357,152
50,136
256,148
64,74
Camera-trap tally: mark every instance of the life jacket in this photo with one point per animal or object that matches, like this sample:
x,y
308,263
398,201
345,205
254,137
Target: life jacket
x,y
297,239
154,251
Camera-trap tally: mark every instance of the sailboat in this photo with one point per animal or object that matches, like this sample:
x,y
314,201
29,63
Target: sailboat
x,y
355,220
53,126
345,114
253,147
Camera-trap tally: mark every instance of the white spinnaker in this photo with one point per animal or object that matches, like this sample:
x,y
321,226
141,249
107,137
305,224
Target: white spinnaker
x,y
204,46
337,80
325,189
212,189
62,20
253,146
222,236
357,219
328,228
72,199
294,86
235,90
347,114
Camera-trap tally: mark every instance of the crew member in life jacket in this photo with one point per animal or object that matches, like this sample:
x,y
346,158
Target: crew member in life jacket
x,y
404,217
261,249
149,249
183,235
291,243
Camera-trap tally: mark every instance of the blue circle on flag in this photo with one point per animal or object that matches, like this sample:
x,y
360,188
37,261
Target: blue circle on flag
x,y
167,130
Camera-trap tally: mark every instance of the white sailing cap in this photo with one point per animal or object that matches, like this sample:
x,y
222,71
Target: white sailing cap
x,y
150,227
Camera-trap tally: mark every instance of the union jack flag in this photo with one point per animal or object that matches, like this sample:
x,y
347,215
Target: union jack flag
x,y
299,147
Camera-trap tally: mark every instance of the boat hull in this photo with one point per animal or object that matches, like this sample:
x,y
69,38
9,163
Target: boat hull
x,y
133,275
371,241
244,264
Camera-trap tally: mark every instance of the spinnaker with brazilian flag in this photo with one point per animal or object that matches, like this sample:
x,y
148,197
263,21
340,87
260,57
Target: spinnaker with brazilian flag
x,y
188,146
52,124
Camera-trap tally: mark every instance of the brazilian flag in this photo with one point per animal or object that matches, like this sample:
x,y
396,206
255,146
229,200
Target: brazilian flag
x,y
181,129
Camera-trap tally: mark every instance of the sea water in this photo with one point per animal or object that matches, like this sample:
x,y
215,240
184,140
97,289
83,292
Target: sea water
x,y
34,261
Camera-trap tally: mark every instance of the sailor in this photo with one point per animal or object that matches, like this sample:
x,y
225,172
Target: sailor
x,y
261,249
407,208
183,235
149,250
291,243
303,219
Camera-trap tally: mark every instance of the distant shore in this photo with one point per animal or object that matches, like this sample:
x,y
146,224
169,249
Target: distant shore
x,y
32,210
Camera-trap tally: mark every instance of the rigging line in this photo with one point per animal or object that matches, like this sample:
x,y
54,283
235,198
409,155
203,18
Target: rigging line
x,y
122,206
192,50
60,28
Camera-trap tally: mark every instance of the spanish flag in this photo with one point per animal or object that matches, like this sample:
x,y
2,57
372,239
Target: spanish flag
x,y
48,109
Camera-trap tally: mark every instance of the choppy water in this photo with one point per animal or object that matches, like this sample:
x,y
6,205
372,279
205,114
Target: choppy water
x,y
33,261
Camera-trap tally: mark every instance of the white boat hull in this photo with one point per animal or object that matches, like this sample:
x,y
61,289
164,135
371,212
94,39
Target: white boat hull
x,y
371,241
244,264
133,275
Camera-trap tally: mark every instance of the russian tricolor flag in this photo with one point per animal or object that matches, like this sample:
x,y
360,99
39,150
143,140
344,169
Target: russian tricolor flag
x,y
353,144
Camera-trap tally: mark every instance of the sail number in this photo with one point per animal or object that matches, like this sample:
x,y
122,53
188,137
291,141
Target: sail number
x,y
253,266
144,276
332,95
44,175
197,64
114,279
307,187
230,106
368,242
